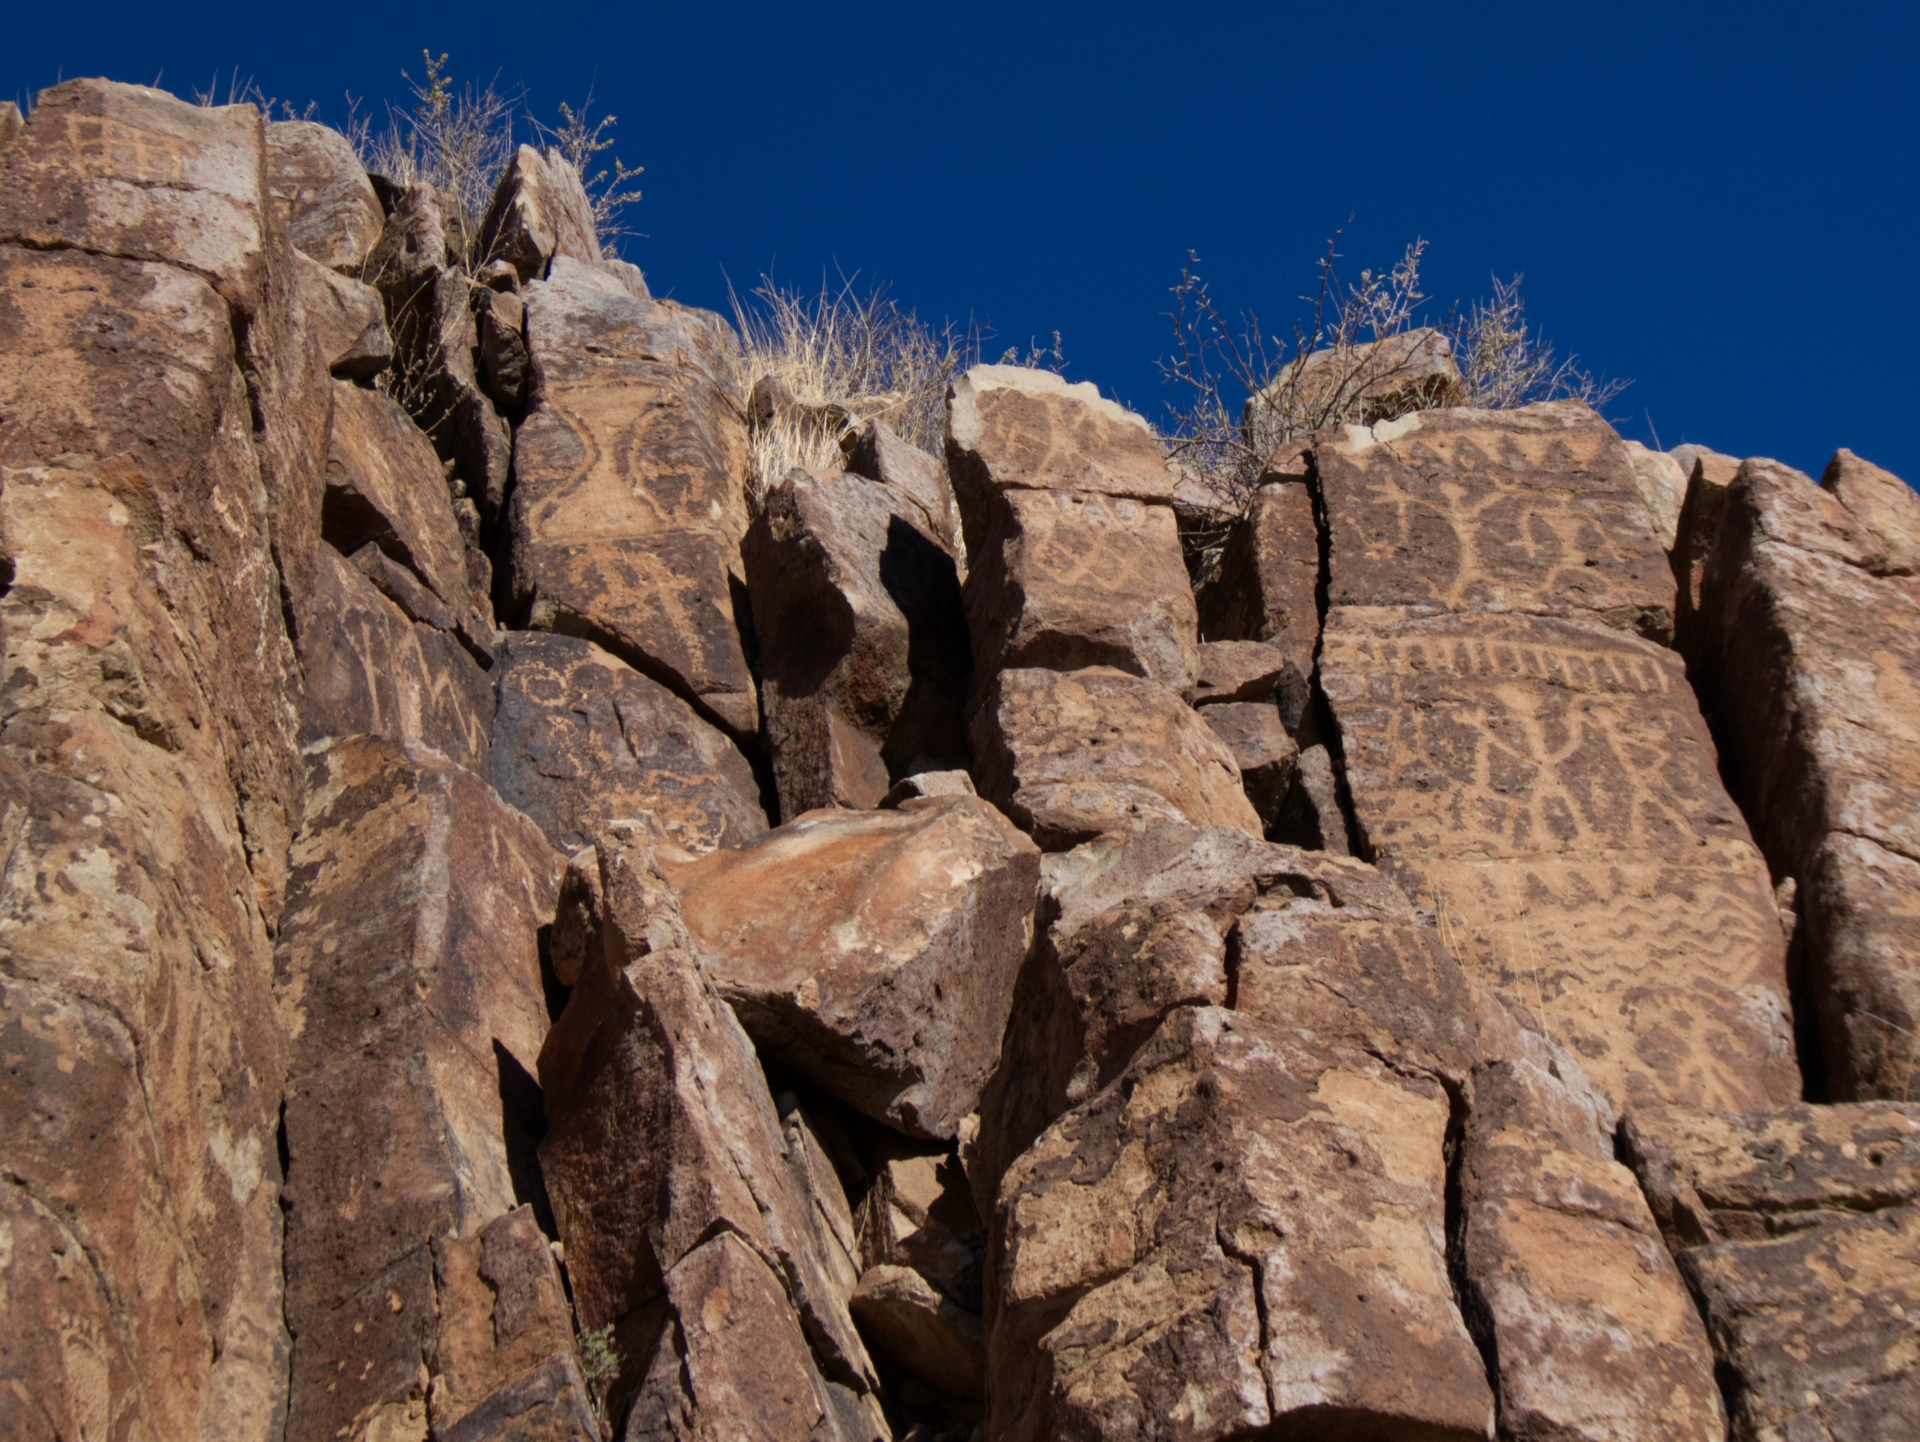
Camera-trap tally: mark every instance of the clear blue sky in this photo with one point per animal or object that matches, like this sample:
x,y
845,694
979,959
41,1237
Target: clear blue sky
x,y
1719,202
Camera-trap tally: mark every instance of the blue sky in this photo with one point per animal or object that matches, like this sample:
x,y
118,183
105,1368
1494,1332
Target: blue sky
x,y
1718,202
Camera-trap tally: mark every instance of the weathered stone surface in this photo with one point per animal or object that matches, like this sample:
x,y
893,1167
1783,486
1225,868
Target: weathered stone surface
x,y
1245,1231
928,783
1364,383
874,451
856,607
1071,755
926,1332
11,122
408,982
148,764
505,366
1551,784
1708,475
664,1144
410,256
540,210
1884,505
347,318
1262,750
580,739
919,1213
1310,816
1532,510
1228,671
873,953
629,502
551,1403
1566,1275
1011,428
1067,579
1801,1240
1808,662
316,182
1265,589
1661,480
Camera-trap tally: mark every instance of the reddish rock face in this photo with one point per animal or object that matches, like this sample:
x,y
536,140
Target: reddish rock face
x,y
629,502
1262,750
540,210
1265,589
856,607
408,981
1225,672
581,739
1245,1231
1808,656
873,953
1071,756
1661,480
876,452
347,319
317,184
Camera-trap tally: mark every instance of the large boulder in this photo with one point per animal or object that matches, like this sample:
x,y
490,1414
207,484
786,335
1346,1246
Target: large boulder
x,y
1799,1233
317,183
856,608
1072,755
629,501
1245,1231
581,739
873,953
540,209
685,1214
348,319
1662,482
1368,382
1807,653
408,980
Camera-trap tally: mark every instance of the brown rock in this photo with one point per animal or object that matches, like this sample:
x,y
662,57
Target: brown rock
x,y
856,608
1069,756
578,917
919,1213
1226,671
317,183
1364,383
1067,579
11,123
347,318
874,451
1809,663
873,953
551,1403
408,979
581,739
1245,1231
1311,817
540,210
1884,505
1551,786
1593,1329
1262,750
663,1143
1708,475
928,783
629,502
1531,510
505,365
1265,589
1010,428
410,256
1661,480
903,1317
1802,1246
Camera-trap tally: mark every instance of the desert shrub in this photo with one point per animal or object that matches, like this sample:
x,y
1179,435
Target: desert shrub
x,y
1361,351
843,355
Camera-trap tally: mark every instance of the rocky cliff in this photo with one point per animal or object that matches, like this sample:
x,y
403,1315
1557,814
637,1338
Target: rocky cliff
x,y
504,937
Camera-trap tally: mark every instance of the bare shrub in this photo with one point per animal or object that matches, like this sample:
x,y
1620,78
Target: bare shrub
x,y
843,356
611,191
458,143
1360,352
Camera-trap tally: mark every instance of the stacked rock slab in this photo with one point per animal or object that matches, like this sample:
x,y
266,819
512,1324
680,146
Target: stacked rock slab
x,y
1808,656
1534,769
856,609
408,980
685,1212
629,502
150,764
1799,1232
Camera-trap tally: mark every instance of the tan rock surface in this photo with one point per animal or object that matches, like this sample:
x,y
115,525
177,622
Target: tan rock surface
x,y
874,451
347,317
1265,590
1262,750
1229,671
1884,505
938,1341
1661,481
316,182
1708,475
1366,382
408,983
1012,428
1233,1159
1072,755
856,608
874,953
580,739
629,503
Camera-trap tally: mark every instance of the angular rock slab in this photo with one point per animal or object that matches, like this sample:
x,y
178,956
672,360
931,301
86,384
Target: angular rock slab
x,y
347,318
1800,1236
1265,755
874,953
1885,507
408,980
663,1140
1662,482
540,209
1068,579
1808,659
1072,755
319,186
856,608
629,502
581,739
1246,1230
1265,589
1012,428
875,451
1551,787
1531,510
